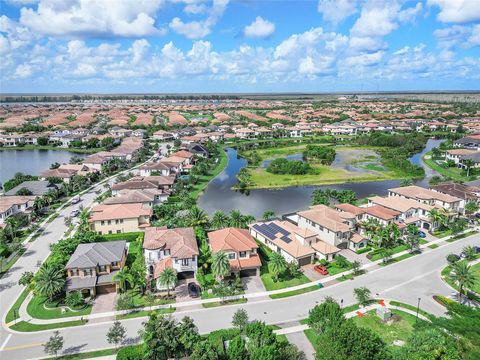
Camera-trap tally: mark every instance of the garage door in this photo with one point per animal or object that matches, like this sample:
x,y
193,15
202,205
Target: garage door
x,y
304,261
248,272
185,275
105,289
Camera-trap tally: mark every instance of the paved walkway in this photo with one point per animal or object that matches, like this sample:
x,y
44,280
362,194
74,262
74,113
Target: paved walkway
x,y
300,340
372,266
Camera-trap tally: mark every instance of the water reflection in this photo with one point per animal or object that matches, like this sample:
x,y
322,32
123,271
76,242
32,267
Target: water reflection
x,y
220,196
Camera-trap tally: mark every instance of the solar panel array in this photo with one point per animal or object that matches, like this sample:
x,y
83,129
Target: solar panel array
x,y
270,231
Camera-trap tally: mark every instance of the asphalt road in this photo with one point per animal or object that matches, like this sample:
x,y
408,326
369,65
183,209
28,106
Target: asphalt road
x,y
406,281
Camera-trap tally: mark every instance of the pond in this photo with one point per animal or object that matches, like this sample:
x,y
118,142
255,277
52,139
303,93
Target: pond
x,y
31,162
219,194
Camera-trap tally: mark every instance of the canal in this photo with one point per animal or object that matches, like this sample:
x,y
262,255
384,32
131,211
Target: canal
x,y
219,194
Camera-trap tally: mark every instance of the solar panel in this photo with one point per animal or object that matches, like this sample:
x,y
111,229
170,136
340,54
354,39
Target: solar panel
x,y
278,229
286,239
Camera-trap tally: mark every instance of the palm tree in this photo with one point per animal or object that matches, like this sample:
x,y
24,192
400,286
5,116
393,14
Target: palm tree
x,y
462,276
123,277
168,278
436,217
49,281
12,226
268,215
197,216
220,265
236,219
471,207
219,220
469,163
277,264
371,227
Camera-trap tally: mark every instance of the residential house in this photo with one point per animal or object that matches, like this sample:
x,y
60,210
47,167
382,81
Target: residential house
x,y
12,205
35,187
199,150
93,266
163,135
146,182
146,197
67,171
429,197
287,239
462,191
174,248
119,218
240,247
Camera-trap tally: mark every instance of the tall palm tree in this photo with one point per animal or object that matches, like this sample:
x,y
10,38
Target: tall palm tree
x,y
371,227
123,277
219,220
168,278
277,264
435,216
469,163
462,276
236,219
49,281
220,265
197,216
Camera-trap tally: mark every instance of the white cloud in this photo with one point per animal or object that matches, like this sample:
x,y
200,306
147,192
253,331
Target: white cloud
x,y
23,71
260,28
463,36
474,39
365,59
195,9
85,18
335,11
457,11
199,29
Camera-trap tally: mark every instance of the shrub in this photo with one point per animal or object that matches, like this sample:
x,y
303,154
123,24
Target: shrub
x,y
291,167
132,352
74,299
125,302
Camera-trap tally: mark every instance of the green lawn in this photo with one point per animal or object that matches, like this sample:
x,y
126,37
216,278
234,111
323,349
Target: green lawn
x,y
222,303
377,255
205,180
24,326
87,355
433,246
13,312
453,172
295,292
144,313
40,308
476,273
399,329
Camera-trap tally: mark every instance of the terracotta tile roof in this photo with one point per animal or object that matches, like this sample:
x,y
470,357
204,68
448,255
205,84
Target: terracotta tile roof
x,y
327,217
356,238
399,203
162,265
6,202
248,263
381,212
231,239
118,211
181,241
418,192
352,209
325,248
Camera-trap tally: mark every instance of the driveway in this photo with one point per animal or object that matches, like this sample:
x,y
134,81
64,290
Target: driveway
x,y
252,284
103,303
310,273
301,341
353,256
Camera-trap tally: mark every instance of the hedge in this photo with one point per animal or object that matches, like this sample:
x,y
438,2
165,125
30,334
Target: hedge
x,y
129,237
132,352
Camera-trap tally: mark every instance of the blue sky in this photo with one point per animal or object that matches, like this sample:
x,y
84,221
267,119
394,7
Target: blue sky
x,y
238,46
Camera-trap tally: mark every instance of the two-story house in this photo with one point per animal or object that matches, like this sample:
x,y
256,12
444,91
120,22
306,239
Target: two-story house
x,y
240,248
11,205
174,248
92,267
430,197
119,218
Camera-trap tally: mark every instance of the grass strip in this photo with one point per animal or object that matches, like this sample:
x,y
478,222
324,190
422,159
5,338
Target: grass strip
x,y
294,292
24,326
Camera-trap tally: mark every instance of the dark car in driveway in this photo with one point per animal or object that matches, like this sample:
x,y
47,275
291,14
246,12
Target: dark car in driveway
x,y
193,290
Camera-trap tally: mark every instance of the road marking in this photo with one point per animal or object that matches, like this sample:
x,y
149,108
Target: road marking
x,y
5,342
408,281
22,346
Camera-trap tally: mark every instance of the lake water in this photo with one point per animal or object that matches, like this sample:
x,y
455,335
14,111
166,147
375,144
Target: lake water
x,y
220,196
31,162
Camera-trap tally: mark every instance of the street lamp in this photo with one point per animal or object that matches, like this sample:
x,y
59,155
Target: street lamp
x,y
418,308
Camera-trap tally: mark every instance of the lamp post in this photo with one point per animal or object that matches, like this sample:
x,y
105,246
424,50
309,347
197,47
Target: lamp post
x,y
418,308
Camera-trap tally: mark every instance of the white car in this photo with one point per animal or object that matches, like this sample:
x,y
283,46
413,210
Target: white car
x,y
76,199
75,213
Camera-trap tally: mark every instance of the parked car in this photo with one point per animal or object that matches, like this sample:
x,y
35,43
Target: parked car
x,y
193,290
477,249
477,215
321,269
76,199
74,213
422,234
99,191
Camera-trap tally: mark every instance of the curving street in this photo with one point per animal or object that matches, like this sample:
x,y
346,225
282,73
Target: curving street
x,y
405,281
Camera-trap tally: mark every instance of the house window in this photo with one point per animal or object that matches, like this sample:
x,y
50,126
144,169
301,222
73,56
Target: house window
x,y
103,222
102,268
184,262
231,256
119,231
74,272
110,231
166,252
243,254
87,272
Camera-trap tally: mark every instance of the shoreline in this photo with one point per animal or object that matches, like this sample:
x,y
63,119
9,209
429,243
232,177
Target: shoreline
x,y
53,148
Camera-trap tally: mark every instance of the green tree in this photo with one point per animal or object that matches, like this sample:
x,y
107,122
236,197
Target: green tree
x,y
429,343
204,350
219,220
220,265
26,278
462,275
325,316
54,345
347,341
470,252
356,266
362,295
116,334
237,349
74,299
268,215
471,207
168,279
49,281
123,277
468,163
197,217
240,319
276,264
